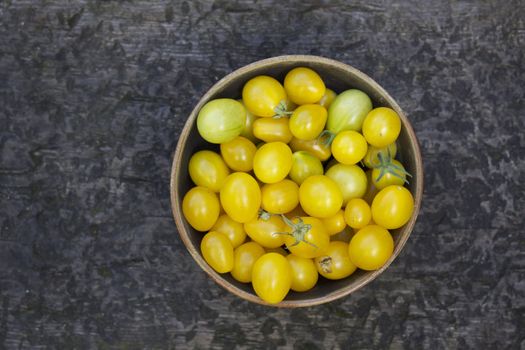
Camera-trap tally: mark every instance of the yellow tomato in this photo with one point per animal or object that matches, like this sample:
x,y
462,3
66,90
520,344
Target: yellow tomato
x,y
241,197
304,273
335,263
248,126
350,179
280,197
371,247
328,97
304,165
307,121
207,169
392,173
349,147
357,213
392,207
201,208
305,236
371,159
272,129
272,162
264,230
303,85
381,127
272,277
231,229
315,148
335,224
263,96
320,196
238,153
217,250
244,257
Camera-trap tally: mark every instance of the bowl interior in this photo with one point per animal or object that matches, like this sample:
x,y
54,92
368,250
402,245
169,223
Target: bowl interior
x,y
338,77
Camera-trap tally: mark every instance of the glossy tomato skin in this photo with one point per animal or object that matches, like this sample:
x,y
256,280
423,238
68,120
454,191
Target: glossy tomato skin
x,y
247,131
389,178
320,196
244,257
207,169
304,165
272,162
238,154
240,197
304,273
327,99
308,121
392,207
312,242
371,159
221,120
335,263
357,213
272,129
349,147
381,127
201,208
262,95
230,228
303,85
264,229
335,224
317,149
371,247
217,250
272,277
350,179
348,111
280,197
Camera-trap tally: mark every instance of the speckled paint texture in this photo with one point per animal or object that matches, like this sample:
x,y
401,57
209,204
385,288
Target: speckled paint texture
x,y
93,96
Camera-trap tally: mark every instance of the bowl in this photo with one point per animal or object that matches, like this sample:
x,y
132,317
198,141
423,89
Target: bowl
x,y
339,77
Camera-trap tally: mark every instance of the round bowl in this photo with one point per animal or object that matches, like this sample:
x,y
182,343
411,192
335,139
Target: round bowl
x,y
339,77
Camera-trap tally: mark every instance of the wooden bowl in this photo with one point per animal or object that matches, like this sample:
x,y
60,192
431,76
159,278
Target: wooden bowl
x,y
339,77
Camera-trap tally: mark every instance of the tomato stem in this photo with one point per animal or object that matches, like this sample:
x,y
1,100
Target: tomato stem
x,y
387,167
326,264
264,215
281,110
326,137
299,231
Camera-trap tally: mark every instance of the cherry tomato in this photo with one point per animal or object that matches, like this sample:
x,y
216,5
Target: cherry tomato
x,y
305,236
349,147
304,165
280,197
303,85
335,263
381,126
371,247
392,173
272,162
372,158
238,153
357,213
248,126
392,207
207,169
217,250
240,197
350,179
307,121
320,196
328,97
315,148
201,208
221,120
348,111
272,129
264,230
231,229
264,96
272,277
304,273
335,224
244,257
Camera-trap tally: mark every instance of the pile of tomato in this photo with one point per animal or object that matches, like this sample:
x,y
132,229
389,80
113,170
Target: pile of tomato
x,y
306,183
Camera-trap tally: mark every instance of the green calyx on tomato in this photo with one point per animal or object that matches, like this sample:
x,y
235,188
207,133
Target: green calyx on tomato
x,y
299,231
387,166
281,110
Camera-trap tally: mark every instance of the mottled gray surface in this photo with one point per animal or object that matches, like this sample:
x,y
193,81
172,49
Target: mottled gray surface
x,y
93,95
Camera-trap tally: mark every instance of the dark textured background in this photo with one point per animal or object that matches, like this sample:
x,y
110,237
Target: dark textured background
x,y
93,96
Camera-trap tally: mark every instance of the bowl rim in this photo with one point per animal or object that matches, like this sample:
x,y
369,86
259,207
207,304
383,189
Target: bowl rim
x,y
174,193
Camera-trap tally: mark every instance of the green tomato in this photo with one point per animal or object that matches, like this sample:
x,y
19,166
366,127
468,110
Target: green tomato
x,y
348,111
221,120
350,179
